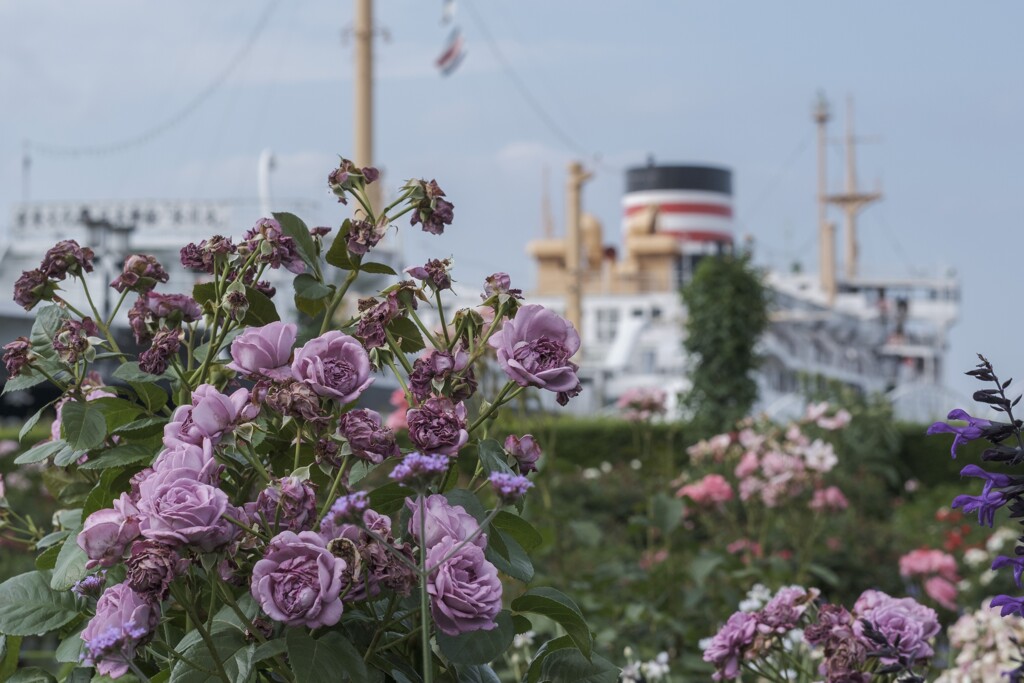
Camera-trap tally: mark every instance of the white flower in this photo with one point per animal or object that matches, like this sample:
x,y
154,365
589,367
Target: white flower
x,y
976,557
523,640
591,473
606,467
635,463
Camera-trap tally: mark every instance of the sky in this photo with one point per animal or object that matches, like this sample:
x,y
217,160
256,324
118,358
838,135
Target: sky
x,y
936,86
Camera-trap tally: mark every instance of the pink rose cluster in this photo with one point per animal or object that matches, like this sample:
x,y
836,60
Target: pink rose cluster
x,y
708,491
938,572
642,404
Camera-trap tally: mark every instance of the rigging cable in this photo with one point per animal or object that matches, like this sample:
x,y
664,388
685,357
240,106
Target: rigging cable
x,y
528,96
173,120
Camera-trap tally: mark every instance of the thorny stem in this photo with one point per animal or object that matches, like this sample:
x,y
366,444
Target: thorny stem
x,y
502,398
334,487
444,323
398,352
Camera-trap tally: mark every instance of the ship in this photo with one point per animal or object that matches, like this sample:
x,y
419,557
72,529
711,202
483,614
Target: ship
x,y
874,335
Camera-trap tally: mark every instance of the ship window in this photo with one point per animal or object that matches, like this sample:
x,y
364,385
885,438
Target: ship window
x,y
607,322
638,312
655,312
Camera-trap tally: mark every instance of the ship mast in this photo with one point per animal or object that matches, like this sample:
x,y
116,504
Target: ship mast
x,y
363,33
851,200
826,230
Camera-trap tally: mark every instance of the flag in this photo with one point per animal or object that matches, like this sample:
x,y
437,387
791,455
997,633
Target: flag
x,y
453,53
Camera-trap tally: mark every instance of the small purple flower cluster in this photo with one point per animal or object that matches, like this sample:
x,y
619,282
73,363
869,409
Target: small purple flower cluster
x,y
63,259
881,631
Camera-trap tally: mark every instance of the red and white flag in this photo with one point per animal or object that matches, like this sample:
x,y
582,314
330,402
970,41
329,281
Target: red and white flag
x,y
452,54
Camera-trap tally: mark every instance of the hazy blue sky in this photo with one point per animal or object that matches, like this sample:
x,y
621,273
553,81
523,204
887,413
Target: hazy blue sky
x,y
731,83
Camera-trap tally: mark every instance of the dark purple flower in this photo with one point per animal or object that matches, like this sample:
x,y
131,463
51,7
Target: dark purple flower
x,y
438,426
17,354
1017,562
508,487
174,308
783,611
327,451
152,566
830,618
370,174
298,581
443,520
334,365
178,510
203,256
274,247
363,236
367,437
374,318
264,350
32,287
141,273
986,505
123,619
464,589
435,273
525,450
66,257
431,370
297,400
106,533
534,349
974,429
156,358
191,256
728,647
368,548
236,303
1009,604
288,503
417,471
72,339
430,210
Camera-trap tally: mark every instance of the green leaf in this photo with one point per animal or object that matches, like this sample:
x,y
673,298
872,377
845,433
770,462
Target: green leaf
x,y
25,380
338,255
44,329
824,573
570,666
667,512
67,456
32,674
116,411
407,335
82,425
558,607
376,268
270,649
70,566
325,659
236,655
261,309
69,649
48,558
389,498
131,372
293,226
477,673
146,425
493,457
10,649
112,483
518,528
479,647
31,422
700,567
308,287
468,502
505,553
29,607
534,670
150,395
121,456
41,451
84,674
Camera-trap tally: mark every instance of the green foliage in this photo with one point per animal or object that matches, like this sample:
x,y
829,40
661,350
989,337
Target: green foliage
x,y
727,310
29,607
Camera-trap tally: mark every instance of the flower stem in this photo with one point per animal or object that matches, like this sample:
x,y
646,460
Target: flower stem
x,y
444,322
428,659
502,398
338,296
334,487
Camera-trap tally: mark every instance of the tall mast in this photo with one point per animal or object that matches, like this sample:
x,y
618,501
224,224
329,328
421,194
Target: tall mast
x,y
574,242
852,201
363,32
826,230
